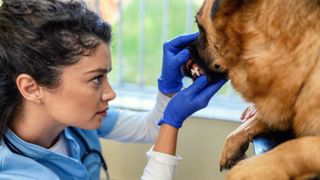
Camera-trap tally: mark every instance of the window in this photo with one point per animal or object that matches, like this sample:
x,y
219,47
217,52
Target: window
x,y
139,29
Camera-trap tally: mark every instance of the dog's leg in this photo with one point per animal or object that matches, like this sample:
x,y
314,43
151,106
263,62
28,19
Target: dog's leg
x,y
238,141
290,160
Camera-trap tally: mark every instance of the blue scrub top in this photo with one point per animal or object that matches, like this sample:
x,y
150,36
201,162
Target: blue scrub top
x,y
41,163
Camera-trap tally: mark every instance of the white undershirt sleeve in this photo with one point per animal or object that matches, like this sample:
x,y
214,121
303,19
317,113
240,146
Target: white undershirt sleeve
x,y
160,166
139,127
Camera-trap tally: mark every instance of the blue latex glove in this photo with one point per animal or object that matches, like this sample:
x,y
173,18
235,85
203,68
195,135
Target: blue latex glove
x,y
174,55
189,100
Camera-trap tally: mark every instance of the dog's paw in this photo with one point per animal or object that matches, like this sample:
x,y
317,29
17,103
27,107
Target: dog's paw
x,y
257,168
233,151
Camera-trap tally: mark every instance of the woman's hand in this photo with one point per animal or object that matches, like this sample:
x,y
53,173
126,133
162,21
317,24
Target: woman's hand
x,y
174,55
189,100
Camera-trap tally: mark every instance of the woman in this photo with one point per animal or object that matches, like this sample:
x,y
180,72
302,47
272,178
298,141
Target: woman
x,y
54,63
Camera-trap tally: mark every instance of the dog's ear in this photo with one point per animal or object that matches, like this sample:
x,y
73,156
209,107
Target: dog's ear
x,y
215,7
226,6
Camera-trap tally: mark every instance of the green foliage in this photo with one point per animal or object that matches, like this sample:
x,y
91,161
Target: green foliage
x,y
153,26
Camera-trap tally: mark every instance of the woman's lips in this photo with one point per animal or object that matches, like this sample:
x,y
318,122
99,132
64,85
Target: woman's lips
x,y
103,112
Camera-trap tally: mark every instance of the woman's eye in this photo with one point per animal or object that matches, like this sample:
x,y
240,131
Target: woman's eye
x,y
98,79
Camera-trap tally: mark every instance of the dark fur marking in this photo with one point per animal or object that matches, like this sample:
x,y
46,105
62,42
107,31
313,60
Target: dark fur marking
x,y
215,7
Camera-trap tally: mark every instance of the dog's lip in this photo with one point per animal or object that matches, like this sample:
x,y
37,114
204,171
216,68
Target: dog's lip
x,y
191,65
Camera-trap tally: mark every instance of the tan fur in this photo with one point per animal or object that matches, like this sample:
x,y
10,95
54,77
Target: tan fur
x,y
271,51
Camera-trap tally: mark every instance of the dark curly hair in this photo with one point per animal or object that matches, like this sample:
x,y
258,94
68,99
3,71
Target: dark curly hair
x,y
39,38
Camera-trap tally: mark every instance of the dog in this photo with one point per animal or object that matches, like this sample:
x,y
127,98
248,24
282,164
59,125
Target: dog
x,y
270,51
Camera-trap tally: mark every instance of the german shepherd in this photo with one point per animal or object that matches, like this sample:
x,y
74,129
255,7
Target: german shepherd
x,y
270,50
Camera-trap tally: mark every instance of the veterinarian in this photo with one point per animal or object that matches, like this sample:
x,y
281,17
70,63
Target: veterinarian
x,y
54,63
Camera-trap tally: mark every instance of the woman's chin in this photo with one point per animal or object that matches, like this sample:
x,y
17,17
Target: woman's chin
x,y
92,125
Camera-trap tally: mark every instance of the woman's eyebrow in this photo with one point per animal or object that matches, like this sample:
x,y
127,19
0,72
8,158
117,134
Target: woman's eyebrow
x,y
100,70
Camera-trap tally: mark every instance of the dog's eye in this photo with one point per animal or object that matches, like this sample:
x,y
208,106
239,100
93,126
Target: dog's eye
x,y
201,30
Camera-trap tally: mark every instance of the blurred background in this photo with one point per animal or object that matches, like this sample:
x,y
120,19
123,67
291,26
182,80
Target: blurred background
x,y
140,27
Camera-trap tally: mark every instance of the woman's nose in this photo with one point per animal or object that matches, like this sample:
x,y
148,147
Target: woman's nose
x,y
108,93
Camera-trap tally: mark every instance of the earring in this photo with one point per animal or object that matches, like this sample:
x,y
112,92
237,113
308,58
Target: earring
x,y
39,101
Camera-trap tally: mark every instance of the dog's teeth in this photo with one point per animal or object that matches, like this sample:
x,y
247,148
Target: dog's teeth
x,y
194,73
198,74
197,71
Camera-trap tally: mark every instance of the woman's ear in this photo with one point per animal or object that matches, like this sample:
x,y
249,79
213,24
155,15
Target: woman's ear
x,y
29,88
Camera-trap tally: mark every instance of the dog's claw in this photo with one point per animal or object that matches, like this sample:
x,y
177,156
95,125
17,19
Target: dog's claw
x,y
221,168
228,165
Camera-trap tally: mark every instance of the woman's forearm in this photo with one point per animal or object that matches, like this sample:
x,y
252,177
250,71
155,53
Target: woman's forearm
x,y
167,140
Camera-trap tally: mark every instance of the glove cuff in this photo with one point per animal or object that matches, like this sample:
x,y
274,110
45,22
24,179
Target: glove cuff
x,y
171,123
169,88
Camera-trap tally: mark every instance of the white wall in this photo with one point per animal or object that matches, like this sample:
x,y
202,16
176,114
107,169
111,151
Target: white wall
x,y
200,144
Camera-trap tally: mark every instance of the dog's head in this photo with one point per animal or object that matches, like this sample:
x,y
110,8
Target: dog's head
x,y
218,46
269,49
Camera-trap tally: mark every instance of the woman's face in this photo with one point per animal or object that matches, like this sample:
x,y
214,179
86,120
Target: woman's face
x,y
82,98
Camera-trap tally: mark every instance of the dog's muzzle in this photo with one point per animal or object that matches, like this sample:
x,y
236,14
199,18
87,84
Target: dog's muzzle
x,y
196,66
